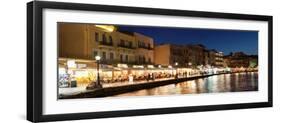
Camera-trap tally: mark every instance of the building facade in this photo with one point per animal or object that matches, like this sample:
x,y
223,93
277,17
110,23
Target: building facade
x,y
195,54
145,49
85,41
240,59
219,59
214,58
183,55
168,54
187,55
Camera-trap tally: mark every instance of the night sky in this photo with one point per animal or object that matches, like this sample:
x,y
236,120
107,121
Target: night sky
x,y
222,40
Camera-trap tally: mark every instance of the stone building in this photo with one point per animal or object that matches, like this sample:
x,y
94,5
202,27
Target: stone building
x,y
183,55
85,41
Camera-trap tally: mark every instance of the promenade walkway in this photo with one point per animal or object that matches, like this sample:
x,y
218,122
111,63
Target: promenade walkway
x,y
81,89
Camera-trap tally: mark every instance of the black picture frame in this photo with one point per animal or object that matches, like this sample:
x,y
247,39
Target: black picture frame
x,y
35,69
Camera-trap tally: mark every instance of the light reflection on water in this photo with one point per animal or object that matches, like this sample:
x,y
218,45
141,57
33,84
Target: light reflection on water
x,y
219,83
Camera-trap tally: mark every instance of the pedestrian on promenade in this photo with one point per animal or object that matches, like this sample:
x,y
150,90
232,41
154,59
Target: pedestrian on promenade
x,y
147,77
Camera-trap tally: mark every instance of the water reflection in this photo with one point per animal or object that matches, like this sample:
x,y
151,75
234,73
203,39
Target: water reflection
x,y
220,83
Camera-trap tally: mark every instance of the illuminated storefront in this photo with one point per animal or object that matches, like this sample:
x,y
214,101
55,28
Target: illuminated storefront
x,y
83,72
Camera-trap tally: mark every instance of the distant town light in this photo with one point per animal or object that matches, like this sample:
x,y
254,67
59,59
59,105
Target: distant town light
x,y
176,63
170,66
97,58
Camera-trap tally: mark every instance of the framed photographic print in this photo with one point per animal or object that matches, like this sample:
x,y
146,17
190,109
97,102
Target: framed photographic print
x,y
95,61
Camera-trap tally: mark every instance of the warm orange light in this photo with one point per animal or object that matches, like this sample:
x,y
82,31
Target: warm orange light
x,y
108,28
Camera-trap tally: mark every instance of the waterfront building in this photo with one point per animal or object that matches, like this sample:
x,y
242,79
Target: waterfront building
x,y
215,58
80,43
145,49
212,57
85,41
182,55
169,55
206,57
240,59
219,59
196,54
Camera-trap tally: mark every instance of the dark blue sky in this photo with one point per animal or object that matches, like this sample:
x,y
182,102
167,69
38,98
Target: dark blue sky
x,y
222,40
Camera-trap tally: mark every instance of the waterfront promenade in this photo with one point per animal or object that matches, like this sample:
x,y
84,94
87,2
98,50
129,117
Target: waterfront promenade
x,y
82,89
110,89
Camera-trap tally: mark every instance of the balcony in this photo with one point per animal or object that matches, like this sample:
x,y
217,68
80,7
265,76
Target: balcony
x,y
145,47
106,43
126,46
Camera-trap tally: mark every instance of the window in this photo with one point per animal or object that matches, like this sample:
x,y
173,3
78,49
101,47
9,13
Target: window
x,y
110,39
111,56
103,55
122,42
97,37
103,38
140,59
130,44
121,58
149,60
148,46
127,58
95,54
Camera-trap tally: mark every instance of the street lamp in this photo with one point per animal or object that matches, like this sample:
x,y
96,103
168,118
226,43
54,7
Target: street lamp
x,y
98,64
176,64
189,64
